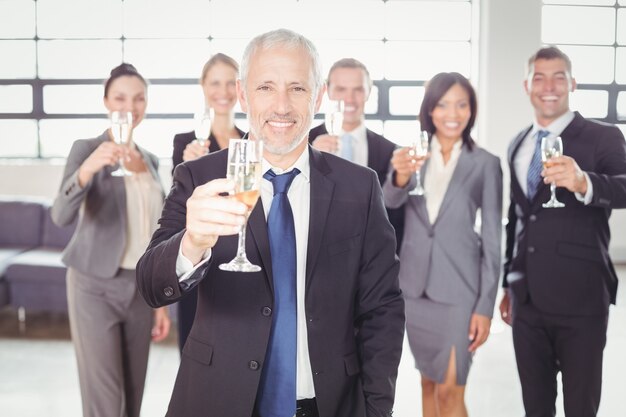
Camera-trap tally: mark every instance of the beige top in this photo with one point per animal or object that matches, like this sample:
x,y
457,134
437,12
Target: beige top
x,y
144,203
438,176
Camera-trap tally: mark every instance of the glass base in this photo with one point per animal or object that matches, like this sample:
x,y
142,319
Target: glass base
x,y
240,264
121,173
419,190
553,203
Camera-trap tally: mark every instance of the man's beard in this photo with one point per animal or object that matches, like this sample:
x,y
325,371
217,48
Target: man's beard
x,y
276,147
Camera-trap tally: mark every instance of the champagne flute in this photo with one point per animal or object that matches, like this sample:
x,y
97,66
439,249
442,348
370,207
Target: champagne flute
x,y
419,150
244,167
551,148
121,125
202,121
333,118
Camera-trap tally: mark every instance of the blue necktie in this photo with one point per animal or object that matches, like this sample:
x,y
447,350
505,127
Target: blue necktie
x,y
346,147
277,393
534,169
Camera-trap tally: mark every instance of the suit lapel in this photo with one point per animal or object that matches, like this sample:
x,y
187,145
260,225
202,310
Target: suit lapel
x,y
152,169
372,152
518,193
464,167
257,225
321,196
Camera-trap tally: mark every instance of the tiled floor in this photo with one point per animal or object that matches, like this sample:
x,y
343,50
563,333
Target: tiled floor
x,y
38,372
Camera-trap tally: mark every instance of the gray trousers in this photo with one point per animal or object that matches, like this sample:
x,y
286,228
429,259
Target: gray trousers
x,y
110,325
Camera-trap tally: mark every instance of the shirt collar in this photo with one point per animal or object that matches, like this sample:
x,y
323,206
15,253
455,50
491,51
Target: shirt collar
x,y
302,163
556,127
436,146
359,133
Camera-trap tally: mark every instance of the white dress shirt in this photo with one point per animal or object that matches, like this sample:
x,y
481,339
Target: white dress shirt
x,y
438,176
299,195
526,149
359,145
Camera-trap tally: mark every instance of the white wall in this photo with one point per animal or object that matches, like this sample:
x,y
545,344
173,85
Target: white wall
x,y
510,31
44,178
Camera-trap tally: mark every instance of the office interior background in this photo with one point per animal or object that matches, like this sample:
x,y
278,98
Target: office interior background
x,y
54,55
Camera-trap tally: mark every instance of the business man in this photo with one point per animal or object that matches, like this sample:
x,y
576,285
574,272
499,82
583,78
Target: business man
x,y
559,275
349,80
319,330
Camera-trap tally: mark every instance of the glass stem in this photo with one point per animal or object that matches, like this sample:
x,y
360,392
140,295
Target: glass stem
x,y
418,178
241,245
553,191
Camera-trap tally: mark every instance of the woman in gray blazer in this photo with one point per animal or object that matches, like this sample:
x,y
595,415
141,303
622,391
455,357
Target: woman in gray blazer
x,y
111,325
450,255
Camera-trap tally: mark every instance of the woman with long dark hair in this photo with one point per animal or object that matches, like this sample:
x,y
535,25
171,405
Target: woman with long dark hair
x,y
450,255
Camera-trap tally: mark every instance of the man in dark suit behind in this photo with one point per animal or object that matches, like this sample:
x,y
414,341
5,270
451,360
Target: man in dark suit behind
x,y
337,280
349,80
558,272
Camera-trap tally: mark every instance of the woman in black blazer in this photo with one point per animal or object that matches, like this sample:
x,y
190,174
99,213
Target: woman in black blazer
x,y
218,85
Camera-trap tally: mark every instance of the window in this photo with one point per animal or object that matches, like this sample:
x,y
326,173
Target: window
x,y
56,54
597,51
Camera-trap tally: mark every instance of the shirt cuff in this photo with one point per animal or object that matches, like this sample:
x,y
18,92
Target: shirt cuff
x,y
586,199
184,267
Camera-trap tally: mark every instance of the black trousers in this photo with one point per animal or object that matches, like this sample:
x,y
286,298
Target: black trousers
x,y
546,344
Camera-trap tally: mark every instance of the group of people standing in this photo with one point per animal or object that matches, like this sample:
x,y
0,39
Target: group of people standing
x,y
352,296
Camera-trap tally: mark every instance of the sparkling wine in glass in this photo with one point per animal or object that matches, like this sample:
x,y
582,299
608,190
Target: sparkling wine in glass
x,y
202,121
244,168
551,148
333,118
121,125
419,150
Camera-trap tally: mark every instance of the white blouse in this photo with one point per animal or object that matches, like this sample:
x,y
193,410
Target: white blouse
x,y
438,176
144,203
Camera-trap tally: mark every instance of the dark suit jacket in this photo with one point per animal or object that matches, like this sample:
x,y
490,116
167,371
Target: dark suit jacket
x,y
379,152
181,140
561,261
355,312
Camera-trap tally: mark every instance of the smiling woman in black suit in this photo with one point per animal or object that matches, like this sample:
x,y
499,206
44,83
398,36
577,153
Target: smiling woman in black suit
x,y
218,85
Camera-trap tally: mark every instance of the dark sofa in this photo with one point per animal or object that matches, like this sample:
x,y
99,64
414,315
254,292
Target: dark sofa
x,y
32,276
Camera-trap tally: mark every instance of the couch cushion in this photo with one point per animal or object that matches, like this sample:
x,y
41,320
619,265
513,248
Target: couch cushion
x,y
6,254
20,222
54,236
36,280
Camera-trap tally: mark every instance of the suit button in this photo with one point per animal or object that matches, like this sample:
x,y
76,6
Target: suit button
x,y
431,233
531,249
253,365
532,218
168,291
266,311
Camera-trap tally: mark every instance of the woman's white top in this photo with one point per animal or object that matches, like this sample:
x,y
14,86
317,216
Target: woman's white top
x,y
438,176
144,203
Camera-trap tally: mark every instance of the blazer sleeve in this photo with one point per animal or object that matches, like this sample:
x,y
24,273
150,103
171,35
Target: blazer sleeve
x,y
395,197
491,233
609,178
380,310
71,195
156,270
